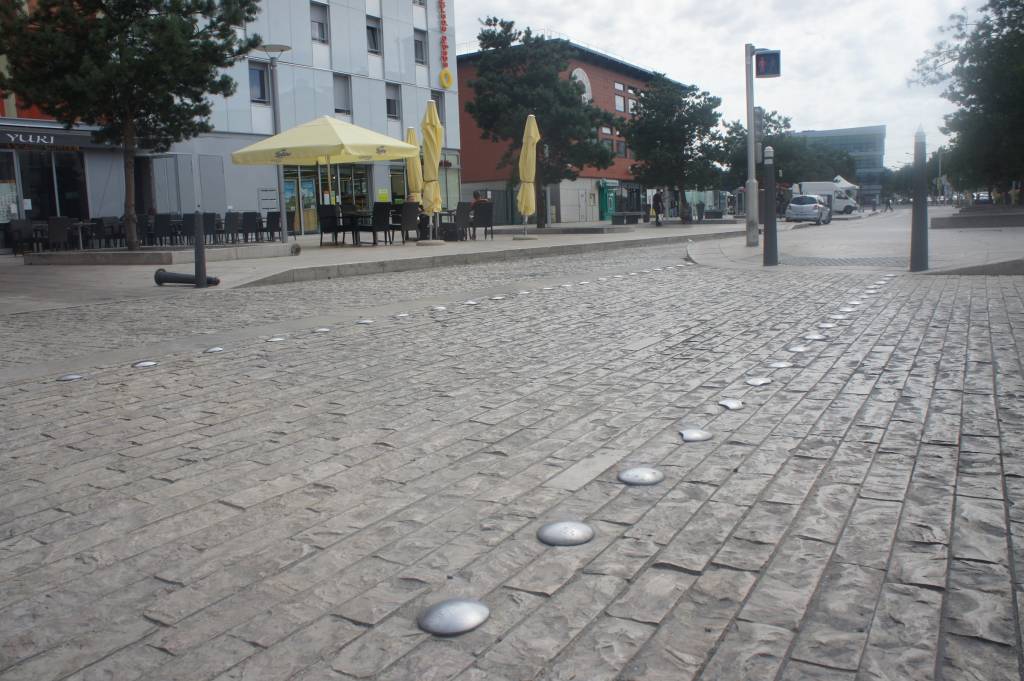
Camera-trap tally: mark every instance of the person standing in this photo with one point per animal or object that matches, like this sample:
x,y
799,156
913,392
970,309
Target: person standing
x,y
658,202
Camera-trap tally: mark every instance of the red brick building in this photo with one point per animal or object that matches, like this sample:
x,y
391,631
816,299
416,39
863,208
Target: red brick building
x,y
612,85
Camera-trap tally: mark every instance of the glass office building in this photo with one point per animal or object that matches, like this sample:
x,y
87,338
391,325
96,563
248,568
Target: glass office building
x,y
867,147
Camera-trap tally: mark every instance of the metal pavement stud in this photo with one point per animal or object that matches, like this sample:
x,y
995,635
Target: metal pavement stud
x,y
275,339
322,329
780,365
731,403
364,321
641,475
758,380
565,533
815,336
70,377
453,617
798,348
826,325
695,435
214,350
145,364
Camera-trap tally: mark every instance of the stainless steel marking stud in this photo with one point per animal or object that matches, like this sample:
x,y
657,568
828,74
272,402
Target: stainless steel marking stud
x,y
214,350
798,348
364,321
847,309
497,297
780,365
565,533
470,302
641,475
731,403
694,435
322,329
401,315
145,364
854,302
758,380
838,316
439,308
826,325
275,339
453,617
815,337
70,377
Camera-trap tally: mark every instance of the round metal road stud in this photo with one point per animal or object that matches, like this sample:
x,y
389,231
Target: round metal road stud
x,y
439,308
758,380
523,293
275,339
70,377
214,350
798,348
453,617
322,329
566,285
547,288
470,302
144,364
641,475
847,309
581,283
826,325
854,302
731,403
694,435
780,365
838,316
881,282
401,315
815,337
565,533
497,297
365,321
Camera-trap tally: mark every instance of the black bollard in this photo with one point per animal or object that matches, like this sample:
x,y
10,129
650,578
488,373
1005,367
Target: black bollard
x,y
162,276
200,252
771,233
919,213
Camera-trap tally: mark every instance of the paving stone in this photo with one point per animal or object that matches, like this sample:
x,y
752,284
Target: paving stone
x,y
749,652
904,639
868,537
782,595
977,660
601,652
979,530
920,564
652,595
699,540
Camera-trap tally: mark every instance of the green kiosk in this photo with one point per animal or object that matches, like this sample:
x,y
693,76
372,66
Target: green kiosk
x,y
606,191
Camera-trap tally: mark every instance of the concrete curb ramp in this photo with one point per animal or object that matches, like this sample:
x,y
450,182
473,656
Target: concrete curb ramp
x,y
408,264
159,257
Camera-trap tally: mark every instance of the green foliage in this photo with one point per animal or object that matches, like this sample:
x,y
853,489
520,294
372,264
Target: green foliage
x,y
797,158
140,70
982,64
519,73
674,135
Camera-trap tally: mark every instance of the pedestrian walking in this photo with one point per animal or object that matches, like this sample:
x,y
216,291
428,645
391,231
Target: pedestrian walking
x,y
658,202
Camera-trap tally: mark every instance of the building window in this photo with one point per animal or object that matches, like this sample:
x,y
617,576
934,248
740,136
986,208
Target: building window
x,y
259,82
620,87
342,95
419,44
632,90
620,103
609,144
606,130
620,148
632,106
421,3
580,76
373,35
393,95
438,98
318,22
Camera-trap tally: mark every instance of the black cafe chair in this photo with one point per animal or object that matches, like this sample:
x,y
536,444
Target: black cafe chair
x,y
251,224
457,230
58,233
329,217
483,218
232,226
273,225
380,220
408,219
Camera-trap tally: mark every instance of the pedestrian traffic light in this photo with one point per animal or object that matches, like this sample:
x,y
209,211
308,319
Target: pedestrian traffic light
x,y
767,63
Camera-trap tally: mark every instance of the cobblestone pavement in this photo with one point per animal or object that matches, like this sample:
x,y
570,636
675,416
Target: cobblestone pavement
x,y
286,510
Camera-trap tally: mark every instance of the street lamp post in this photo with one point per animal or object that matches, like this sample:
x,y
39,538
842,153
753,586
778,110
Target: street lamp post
x,y
751,186
273,51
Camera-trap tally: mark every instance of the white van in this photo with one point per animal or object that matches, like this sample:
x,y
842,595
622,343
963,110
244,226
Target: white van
x,y
842,201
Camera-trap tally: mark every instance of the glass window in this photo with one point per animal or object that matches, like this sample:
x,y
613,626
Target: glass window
x,y
259,89
438,98
393,95
318,22
421,3
620,103
606,130
632,106
419,42
620,148
71,193
609,144
342,94
37,184
631,90
620,87
397,184
373,35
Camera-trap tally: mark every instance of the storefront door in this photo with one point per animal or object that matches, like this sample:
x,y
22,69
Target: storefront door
x,y
8,189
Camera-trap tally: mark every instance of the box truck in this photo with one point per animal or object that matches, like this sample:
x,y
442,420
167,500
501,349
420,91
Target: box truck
x,y
842,199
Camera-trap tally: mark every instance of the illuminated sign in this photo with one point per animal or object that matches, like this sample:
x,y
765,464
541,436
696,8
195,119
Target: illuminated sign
x,y
445,77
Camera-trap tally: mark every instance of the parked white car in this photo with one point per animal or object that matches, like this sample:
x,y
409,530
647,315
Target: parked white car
x,y
809,207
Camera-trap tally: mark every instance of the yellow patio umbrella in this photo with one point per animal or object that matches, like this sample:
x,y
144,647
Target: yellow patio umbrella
x,y
413,169
433,134
324,140
526,199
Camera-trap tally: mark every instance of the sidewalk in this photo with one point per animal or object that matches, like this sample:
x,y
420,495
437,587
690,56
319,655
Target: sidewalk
x,y
25,288
876,241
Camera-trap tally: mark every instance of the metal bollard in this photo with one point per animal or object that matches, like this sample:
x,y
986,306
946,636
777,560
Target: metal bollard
x,y
200,252
771,234
162,276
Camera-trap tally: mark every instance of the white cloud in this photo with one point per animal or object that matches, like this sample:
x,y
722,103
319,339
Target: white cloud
x,y
844,64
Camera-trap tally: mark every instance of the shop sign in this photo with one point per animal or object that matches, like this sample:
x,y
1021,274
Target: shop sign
x,y
48,139
445,77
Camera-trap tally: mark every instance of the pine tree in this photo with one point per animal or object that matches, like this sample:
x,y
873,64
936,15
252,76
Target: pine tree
x,y
140,70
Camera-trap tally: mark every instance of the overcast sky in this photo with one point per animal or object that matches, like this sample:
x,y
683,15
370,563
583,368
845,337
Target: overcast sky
x,y
844,64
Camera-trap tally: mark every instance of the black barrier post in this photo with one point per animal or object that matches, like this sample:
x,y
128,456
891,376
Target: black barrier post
x,y
200,251
919,219
771,234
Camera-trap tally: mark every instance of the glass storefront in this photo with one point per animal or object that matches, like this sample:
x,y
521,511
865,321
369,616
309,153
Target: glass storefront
x,y
41,184
450,179
8,189
346,185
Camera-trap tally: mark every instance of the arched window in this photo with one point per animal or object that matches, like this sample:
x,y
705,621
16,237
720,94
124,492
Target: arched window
x,y
581,77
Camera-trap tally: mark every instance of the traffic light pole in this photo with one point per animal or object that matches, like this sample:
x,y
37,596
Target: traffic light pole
x,y
751,186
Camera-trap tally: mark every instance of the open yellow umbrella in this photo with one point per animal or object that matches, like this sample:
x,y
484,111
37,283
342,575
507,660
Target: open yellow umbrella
x,y
413,169
433,134
324,140
526,199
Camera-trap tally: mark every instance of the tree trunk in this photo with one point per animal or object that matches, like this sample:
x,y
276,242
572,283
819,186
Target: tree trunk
x,y
542,211
131,230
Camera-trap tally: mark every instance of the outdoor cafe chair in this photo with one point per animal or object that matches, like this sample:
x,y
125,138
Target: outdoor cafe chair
x,y
163,230
380,221
483,218
210,228
251,224
408,219
329,218
58,233
457,230
232,226
23,236
274,222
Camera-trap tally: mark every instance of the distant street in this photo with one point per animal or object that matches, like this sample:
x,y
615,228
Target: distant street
x,y
286,510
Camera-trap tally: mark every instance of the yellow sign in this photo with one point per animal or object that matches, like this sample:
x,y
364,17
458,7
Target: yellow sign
x,y
383,195
445,78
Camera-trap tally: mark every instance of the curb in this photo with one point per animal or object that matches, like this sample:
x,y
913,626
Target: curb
x,y
409,264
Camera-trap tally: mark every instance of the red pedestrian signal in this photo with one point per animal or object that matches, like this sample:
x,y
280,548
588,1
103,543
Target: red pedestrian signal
x,y
768,64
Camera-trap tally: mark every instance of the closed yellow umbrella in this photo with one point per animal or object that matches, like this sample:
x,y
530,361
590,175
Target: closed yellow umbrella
x,y
526,199
413,169
433,134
